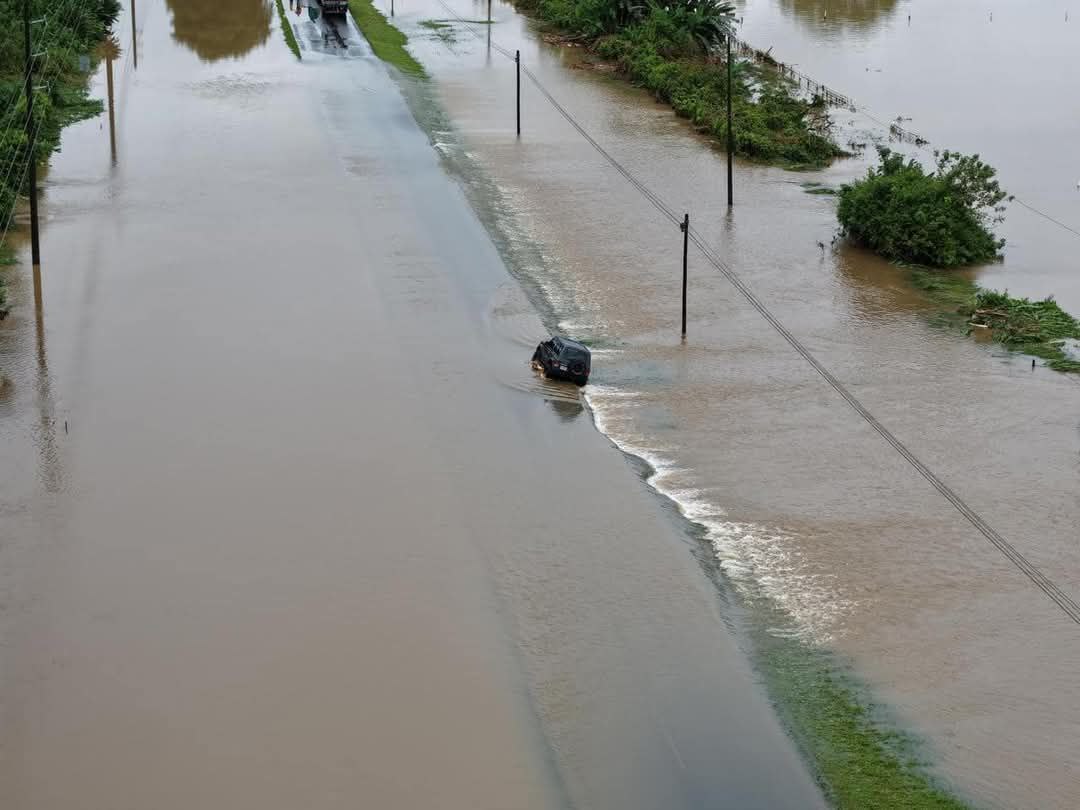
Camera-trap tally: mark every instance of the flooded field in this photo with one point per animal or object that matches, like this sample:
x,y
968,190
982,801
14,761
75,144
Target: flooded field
x,y
286,520
968,76
804,505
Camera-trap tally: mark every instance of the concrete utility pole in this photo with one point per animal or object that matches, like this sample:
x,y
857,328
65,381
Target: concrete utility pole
x,y
35,242
134,38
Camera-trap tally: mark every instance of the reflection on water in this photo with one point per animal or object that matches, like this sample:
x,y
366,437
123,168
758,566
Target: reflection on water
x,y
49,458
874,286
839,13
220,30
567,410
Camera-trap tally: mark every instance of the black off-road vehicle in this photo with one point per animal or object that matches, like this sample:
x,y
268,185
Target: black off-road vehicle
x,y
563,359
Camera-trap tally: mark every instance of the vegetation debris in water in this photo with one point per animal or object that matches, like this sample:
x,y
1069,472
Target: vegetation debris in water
x,y
1038,328
387,42
818,188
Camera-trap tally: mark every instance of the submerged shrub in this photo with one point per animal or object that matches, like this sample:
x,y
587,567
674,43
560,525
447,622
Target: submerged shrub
x,y
938,219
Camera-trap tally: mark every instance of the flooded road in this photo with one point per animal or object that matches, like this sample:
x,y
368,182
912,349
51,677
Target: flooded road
x,y
803,504
285,518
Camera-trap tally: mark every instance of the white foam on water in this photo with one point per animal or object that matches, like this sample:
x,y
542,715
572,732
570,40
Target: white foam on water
x,y
759,561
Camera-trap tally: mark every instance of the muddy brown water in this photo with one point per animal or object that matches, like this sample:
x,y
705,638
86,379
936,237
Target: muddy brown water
x,y
803,503
286,520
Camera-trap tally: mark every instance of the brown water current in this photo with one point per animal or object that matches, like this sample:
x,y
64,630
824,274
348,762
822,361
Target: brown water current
x,y
286,519
801,500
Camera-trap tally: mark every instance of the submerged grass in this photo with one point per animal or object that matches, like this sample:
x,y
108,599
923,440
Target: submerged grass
x,y
387,42
860,759
1037,328
287,30
442,30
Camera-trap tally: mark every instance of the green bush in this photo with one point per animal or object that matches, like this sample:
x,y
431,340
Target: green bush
x,y
937,219
670,50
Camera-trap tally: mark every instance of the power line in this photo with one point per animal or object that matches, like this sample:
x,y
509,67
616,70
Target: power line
x,y
1067,605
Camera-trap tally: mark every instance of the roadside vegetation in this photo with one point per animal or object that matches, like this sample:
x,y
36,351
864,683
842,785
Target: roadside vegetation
x,y
861,760
941,218
675,50
287,30
386,41
60,97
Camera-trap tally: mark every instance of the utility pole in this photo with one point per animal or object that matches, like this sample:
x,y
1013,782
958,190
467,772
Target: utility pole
x,y
730,124
108,50
517,63
35,242
134,38
684,226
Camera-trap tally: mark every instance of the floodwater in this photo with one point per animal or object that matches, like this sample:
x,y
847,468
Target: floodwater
x,y
804,505
286,520
1000,80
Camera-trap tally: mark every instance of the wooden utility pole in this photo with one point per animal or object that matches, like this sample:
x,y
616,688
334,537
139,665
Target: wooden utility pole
x,y
134,38
110,50
517,64
730,125
31,139
684,226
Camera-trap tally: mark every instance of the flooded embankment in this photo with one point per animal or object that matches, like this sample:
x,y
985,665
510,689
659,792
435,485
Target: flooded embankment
x,y
829,535
286,519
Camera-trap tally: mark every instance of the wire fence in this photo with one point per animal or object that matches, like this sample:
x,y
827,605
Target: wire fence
x,y
828,95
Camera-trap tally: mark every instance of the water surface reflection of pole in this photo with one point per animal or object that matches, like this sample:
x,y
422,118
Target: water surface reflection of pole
x,y
47,452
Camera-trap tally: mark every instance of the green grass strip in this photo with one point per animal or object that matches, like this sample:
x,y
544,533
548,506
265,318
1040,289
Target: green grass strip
x,y
287,30
386,41
858,756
